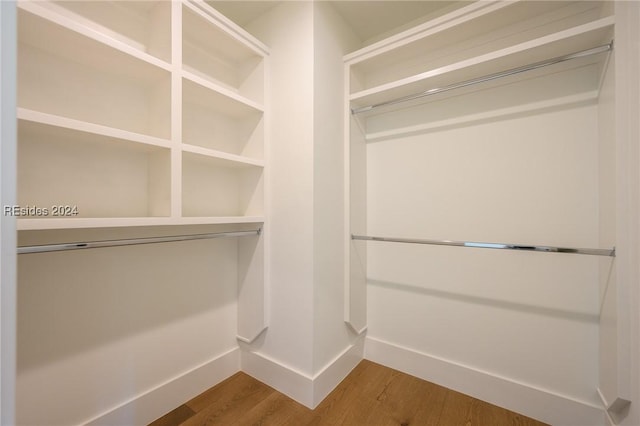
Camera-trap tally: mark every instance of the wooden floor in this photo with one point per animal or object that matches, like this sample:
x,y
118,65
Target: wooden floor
x,y
371,395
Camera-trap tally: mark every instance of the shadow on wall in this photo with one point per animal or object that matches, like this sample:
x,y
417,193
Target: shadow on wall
x,y
493,103
71,302
582,317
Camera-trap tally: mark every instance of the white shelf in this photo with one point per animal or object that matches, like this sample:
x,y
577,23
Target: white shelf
x,y
85,223
572,40
217,53
82,126
64,73
120,222
215,120
220,220
99,13
217,187
223,156
142,25
239,104
469,32
101,176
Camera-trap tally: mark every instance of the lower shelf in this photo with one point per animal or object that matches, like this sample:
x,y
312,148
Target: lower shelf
x,y
215,187
97,176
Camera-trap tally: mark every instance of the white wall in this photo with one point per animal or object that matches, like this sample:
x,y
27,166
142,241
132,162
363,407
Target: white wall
x,y
288,31
307,349
332,40
101,327
527,318
620,328
7,223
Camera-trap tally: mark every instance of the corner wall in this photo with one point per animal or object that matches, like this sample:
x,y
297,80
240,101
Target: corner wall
x,y
307,349
288,31
332,40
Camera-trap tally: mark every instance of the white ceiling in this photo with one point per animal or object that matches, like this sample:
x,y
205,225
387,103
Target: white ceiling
x,y
368,19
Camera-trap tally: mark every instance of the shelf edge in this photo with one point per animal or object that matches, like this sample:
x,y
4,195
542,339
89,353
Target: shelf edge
x,y
539,42
212,153
27,114
219,20
125,222
221,90
93,34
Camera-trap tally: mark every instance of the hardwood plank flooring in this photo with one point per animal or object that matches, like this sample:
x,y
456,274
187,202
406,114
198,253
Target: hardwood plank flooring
x,y
371,395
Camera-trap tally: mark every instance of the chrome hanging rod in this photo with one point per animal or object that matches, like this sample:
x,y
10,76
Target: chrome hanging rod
x,y
513,71
549,249
134,241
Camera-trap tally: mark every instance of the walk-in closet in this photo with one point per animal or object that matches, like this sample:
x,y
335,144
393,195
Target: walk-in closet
x,y
192,189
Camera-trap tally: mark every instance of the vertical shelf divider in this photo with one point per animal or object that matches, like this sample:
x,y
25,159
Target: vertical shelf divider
x,y
176,109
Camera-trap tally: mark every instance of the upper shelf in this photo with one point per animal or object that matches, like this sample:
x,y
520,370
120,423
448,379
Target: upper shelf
x,y
575,39
157,106
217,53
69,74
143,25
471,31
88,21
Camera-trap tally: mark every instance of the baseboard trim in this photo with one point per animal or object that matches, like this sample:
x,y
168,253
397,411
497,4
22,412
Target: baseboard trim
x,y
520,397
335,371
605,403
285,379
303,388
155,403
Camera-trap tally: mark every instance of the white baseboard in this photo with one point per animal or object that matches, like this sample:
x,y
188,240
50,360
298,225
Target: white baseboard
x,y
155,403
608,420
546,406
307,390
540,404
287,380
335,371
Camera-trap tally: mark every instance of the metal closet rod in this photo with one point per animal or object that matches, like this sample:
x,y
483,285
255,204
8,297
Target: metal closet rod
x,y
133,241
490,77
549,249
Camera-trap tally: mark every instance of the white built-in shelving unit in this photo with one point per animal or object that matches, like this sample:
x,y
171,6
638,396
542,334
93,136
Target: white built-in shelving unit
x,y
144,116
474,41
139,113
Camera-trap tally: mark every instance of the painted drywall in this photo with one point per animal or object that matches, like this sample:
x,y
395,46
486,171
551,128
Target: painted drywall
x,y
98,328
332,40
620,367
288,31
531,318
307,340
